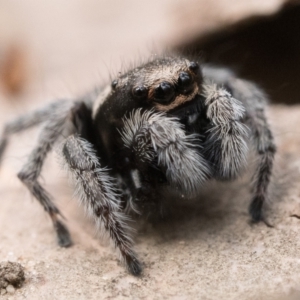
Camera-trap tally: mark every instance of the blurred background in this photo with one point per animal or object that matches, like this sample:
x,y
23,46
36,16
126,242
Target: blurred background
x,y
61,48
54,48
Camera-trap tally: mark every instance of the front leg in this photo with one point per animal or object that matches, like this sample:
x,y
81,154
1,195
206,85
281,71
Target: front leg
x,y
161,141
100,196
225,143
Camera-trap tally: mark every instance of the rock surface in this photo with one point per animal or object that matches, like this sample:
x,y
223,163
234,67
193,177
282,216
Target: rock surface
x,y
206,249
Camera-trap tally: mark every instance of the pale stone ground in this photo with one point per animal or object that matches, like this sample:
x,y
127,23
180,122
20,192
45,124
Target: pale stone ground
x,y
206,250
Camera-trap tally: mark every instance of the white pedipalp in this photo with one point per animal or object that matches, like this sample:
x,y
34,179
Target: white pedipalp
x,y
176,152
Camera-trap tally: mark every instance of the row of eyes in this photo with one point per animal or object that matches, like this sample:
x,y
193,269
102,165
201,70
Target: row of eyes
x,y
164,93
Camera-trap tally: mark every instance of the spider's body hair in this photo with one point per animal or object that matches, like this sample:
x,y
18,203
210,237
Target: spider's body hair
x,y
27,121
176,152
29,174
225,112
161,125
255,101
99,195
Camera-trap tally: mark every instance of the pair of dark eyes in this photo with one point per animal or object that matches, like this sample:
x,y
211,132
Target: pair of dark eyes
x,y
164,93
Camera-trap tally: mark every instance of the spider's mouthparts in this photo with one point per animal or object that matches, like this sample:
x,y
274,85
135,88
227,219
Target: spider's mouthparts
x,y
190,109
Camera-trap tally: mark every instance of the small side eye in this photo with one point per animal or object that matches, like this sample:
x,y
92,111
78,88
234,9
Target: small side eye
x,y
114,84
164,93
185,82
140,92
194,67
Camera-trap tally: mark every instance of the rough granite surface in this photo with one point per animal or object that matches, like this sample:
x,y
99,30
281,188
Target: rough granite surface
x,y
206,250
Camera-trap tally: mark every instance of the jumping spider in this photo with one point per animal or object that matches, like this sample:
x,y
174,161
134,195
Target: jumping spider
x,y
168,123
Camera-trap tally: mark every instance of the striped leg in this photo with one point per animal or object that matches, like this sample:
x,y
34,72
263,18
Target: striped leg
x,y
100,197
30,172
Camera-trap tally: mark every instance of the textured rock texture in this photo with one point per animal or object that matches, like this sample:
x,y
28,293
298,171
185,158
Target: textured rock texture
x,y
207,249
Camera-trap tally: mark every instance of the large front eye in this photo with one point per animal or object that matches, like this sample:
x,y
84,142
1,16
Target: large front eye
x,y
185,82
164,93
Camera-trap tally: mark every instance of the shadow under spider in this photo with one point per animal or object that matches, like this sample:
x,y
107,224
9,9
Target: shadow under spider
x,y
218,206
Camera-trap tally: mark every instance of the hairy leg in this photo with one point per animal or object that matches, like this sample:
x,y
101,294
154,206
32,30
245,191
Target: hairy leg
x,y
255,101
225,144
100,196
265,149
27,121
155,138
30,172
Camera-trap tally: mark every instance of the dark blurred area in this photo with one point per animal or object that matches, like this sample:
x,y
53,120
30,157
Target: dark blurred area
x,y
47,45
265,50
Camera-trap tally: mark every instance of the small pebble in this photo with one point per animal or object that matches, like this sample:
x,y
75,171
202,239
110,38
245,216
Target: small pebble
x,y
3,292
10,289
31,263
11,274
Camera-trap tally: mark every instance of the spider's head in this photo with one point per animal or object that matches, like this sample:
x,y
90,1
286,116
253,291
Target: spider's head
x,y
164,84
